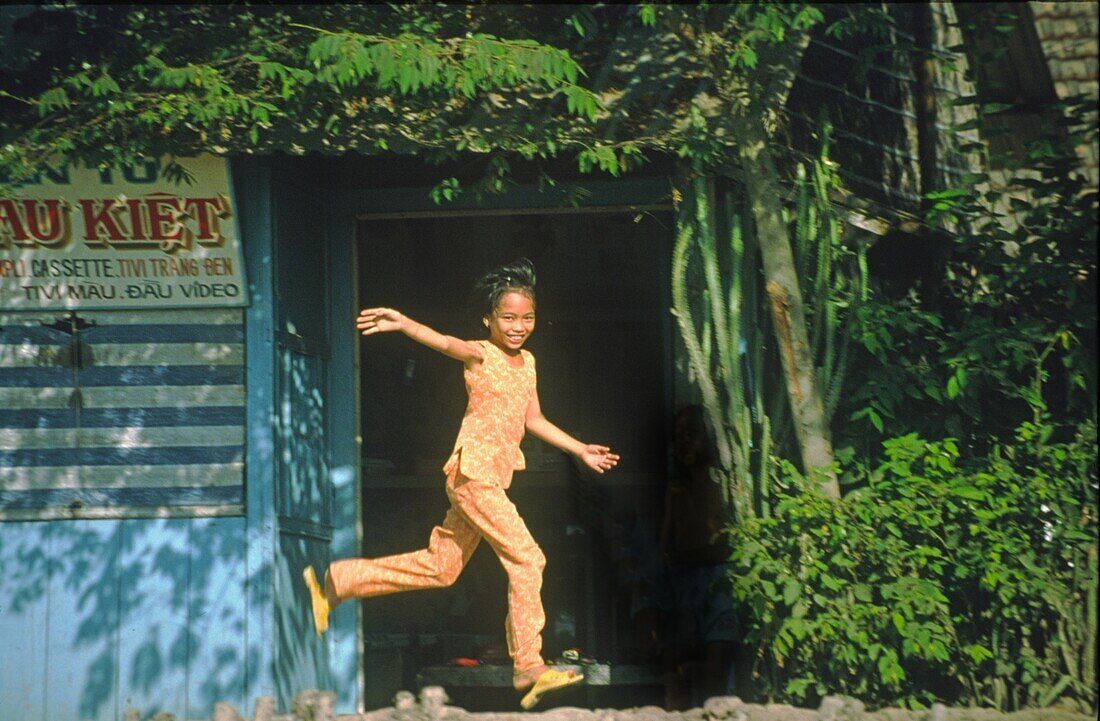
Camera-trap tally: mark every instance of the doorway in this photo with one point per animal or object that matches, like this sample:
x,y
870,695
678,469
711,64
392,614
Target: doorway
x,y
603,344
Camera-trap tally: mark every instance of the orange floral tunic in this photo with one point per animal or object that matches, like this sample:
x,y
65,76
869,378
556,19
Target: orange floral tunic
x,y
487,447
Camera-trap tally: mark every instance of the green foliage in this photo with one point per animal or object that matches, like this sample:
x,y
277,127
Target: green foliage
x,y
445,81
918,374
1014,328
410,62
969,583
832,270
726,326
715,298
768,23
963,569
1027,243
145,80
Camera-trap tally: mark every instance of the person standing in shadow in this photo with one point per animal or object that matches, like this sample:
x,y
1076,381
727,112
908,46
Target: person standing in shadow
x,y
700,626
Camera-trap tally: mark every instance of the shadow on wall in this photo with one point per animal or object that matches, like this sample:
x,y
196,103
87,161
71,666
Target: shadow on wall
x,y
103,615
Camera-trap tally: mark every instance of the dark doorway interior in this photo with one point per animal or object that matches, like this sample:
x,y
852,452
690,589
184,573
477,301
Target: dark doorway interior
x,y
603,346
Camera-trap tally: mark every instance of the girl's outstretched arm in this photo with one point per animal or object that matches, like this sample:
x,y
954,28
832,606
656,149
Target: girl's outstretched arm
x,y
598,458
384,320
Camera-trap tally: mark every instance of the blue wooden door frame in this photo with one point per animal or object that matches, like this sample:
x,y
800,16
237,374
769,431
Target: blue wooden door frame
x,y
282,655
251,183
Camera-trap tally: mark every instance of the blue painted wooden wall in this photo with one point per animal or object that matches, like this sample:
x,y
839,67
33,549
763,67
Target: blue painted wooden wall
x,y
101,615
122,551
174,614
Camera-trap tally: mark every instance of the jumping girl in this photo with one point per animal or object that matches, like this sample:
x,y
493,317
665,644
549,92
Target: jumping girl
x,y
503,403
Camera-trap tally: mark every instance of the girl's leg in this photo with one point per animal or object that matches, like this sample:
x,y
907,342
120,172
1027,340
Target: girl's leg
x,y
449,548
486,507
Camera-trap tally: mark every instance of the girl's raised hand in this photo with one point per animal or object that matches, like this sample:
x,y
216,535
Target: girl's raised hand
x,y
599,458
379,320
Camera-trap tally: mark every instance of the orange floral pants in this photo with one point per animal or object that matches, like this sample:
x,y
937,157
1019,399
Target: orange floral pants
x,y
479,509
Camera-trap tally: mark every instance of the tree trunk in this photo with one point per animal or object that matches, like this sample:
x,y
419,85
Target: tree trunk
x,y
761,181
925,103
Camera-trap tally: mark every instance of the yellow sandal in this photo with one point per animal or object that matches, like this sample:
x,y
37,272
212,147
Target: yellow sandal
x,y
550,680
317,599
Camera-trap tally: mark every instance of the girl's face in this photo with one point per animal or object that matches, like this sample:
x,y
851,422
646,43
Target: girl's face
x,y
513,321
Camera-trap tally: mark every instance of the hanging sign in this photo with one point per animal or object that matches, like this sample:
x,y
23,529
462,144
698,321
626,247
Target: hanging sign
x,y
122,238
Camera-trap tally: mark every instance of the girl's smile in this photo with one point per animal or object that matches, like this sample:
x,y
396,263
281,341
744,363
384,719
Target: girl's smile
x,y
512,322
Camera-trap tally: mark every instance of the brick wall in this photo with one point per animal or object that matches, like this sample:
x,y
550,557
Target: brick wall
x,y
1067,32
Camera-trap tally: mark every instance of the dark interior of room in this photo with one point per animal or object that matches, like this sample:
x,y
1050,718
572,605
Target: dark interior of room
x,y
603,349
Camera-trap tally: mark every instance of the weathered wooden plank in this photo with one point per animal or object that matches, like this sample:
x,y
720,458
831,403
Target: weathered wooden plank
x,y
147,476
194,332
81,498
206,316
30,355
123,375
82,635
121,457
154,577
134,332
222,509
217,610
24,616
123,417
123,397
169,354
29,438
32,438
304,658
251,181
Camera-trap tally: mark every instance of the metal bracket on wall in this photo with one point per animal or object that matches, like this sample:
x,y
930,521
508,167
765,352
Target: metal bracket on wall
x,y
302,345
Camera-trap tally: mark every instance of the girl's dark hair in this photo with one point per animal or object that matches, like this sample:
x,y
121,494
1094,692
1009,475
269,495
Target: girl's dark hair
x,y
518,276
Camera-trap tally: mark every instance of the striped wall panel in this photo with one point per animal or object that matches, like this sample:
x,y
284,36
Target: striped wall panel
x,y
121,414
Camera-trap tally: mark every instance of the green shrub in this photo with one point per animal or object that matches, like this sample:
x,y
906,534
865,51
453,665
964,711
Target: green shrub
x,y
933,580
